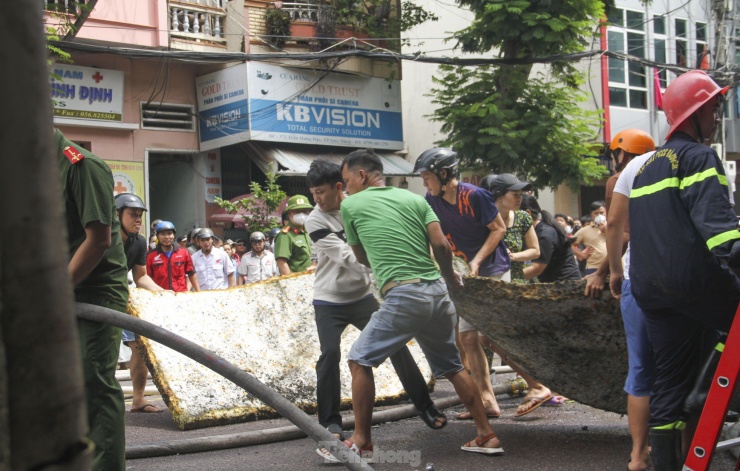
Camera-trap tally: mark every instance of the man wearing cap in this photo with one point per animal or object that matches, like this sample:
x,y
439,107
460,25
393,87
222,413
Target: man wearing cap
x,y
130,212
293,244
212,266
473,226
168,264
683,238
258,264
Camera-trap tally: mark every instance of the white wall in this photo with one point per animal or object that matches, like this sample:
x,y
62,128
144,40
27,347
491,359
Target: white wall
x,y
419,132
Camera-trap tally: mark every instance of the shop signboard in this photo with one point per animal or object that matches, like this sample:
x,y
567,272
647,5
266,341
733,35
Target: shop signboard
x,y
87,93
316,107
222,107
213,175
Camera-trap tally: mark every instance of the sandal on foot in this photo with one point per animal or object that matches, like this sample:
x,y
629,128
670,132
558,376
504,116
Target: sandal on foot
x,y
366,452
468,416
537,402
147,409
476,446
431,415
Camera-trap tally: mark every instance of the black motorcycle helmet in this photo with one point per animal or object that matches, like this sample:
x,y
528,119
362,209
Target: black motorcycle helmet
x,y
436,159
127,200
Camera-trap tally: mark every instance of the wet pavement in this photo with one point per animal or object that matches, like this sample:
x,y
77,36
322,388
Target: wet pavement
x,y
568,437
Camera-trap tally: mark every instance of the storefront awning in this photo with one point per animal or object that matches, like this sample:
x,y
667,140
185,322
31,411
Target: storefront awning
x,y
294,163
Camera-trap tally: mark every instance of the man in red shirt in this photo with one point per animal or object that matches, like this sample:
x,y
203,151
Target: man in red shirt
x,y
168,264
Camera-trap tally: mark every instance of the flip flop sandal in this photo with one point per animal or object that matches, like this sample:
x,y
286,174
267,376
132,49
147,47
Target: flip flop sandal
x,y
366,453
147,409
538,401
476,446
468,416
430,415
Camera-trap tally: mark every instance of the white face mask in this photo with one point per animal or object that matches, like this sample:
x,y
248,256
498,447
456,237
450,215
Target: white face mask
x,y
299,219
600,220
568,229
153,245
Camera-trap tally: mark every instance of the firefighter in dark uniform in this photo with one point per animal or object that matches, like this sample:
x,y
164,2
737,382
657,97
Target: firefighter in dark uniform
x,y
293,244
683,229
97,267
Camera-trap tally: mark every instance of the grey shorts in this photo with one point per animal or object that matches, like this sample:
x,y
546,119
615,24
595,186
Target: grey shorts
x,y
465,326
421,310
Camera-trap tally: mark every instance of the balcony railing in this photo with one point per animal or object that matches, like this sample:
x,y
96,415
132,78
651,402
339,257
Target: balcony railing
x,y
302,11
64,6
198,20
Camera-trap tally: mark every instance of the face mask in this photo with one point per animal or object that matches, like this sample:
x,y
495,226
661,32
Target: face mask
x,y
568,230
299,219
600,220
153,245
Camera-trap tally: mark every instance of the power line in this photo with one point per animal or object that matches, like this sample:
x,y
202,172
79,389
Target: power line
x,y
727,73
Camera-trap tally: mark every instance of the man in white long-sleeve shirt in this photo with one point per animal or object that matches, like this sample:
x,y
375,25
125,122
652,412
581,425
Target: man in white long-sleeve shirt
x,y
342,296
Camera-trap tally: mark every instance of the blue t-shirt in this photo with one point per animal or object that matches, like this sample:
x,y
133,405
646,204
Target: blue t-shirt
x,y
465,225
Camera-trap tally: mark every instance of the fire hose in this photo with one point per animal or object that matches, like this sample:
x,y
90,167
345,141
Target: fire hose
x,y
304,425
242,379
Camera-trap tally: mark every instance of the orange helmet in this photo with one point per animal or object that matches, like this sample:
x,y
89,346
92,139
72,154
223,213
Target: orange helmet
x,y
633,141
687,94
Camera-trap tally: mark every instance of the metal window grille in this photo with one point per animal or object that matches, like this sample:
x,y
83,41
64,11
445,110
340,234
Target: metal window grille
x,y
171,116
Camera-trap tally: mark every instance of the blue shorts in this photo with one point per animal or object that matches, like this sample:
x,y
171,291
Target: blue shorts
x,y
422,310
641,374
127,336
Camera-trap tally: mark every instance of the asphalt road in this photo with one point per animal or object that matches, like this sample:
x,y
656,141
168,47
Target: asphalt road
x,y
568,438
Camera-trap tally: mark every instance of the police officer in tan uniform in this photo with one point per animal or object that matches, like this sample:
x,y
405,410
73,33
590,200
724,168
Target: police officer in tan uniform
x,y
293,244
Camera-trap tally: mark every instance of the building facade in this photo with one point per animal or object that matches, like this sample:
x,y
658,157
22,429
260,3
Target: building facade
x,y
166,93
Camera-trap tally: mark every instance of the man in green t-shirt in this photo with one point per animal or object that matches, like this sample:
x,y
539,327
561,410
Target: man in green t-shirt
x,y
98,270
390,230
293,244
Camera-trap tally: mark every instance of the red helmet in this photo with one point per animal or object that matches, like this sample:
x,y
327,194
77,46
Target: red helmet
x,y
687,94
633,141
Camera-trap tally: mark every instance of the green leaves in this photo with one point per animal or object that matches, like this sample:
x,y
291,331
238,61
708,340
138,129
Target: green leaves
x,y
505,118
259,205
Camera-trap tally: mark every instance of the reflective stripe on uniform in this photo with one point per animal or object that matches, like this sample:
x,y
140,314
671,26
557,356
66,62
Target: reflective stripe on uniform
x,y
720,239
677,425
672,182
701,176
675,182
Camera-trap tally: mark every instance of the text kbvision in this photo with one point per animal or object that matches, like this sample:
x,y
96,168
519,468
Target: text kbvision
x,y
335,116
225,117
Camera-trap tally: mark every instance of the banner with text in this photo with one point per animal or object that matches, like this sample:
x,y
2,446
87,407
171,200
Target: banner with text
x,y
315,107
87,93
222,107
213,175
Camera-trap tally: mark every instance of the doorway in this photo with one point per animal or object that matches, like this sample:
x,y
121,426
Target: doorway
x,y
175,190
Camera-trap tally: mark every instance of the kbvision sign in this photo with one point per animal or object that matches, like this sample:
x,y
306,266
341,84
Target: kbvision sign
x,y
222,107
312,107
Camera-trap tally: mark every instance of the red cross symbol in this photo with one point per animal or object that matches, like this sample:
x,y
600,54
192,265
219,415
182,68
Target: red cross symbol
x,y
97,77
119,188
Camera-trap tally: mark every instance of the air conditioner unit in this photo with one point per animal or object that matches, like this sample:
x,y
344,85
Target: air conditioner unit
x,y
718,149
731,172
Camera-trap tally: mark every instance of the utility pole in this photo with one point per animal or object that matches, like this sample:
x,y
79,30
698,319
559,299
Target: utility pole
x,y
43,422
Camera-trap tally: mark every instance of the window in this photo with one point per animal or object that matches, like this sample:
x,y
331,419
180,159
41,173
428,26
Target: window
x,y
627,80
660,47
682,43
702,50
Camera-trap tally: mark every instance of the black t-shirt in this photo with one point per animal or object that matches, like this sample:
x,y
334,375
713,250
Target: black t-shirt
x,y
135,248
557,254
